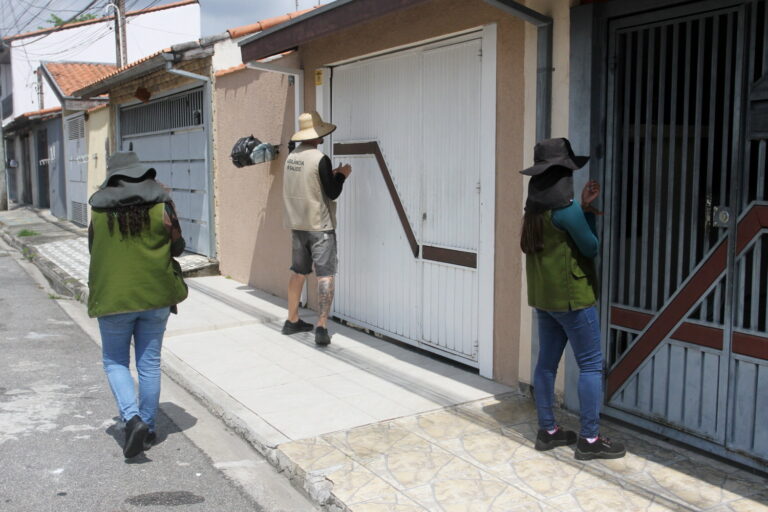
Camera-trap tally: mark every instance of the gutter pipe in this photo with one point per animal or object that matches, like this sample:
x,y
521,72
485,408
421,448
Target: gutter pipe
x,y
298,77
544,52
208,116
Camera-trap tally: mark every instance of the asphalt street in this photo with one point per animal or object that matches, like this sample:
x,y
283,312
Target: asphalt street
x,y
60,440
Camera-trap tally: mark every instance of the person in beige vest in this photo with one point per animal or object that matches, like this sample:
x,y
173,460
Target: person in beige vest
x,y
310,186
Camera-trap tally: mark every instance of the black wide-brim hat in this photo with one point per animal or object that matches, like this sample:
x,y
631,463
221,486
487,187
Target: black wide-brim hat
x,y
126,164
554,153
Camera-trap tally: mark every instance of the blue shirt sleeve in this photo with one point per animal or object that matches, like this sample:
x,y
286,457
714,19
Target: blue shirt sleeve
x,y
580,226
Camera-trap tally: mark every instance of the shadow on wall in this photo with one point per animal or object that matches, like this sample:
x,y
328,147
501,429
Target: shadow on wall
x,y
272,247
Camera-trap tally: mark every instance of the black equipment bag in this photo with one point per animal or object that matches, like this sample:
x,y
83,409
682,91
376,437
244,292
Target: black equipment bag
x,y
241,152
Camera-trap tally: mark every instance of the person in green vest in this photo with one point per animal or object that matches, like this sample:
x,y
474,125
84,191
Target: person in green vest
x,y
134,284
559,239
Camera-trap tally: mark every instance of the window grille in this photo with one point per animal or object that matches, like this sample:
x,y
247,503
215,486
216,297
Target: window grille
x,y
173,112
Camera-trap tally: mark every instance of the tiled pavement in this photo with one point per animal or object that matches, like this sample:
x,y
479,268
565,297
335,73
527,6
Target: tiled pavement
x,y
368,426
479,456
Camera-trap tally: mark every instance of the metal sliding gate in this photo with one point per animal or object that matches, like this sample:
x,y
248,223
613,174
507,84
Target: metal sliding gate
x,y
687,239
170,134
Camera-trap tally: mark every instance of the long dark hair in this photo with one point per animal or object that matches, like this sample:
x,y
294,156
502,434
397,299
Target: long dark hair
x,y
532,235
131,220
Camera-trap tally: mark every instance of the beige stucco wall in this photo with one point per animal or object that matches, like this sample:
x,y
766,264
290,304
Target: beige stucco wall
x,y
253,245
97,133
434,19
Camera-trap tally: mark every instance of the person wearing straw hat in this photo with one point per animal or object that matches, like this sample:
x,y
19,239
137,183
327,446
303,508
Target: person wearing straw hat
x,y
134,284
310,187
559,239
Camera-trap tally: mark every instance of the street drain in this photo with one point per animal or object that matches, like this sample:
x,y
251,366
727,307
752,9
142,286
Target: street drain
x,y
165,498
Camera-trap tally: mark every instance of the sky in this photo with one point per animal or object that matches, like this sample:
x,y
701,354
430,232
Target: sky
x,y
217,15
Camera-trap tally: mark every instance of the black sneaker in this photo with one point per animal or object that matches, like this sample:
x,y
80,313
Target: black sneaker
x,y
149,441
135,433
296,327
546,441
321,336
602,448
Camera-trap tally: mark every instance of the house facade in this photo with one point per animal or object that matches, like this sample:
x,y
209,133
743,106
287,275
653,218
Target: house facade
x,y
38,71
439,104
164,107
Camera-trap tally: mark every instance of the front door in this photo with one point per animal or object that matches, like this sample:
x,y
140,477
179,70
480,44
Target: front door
x,y
409,218
686,253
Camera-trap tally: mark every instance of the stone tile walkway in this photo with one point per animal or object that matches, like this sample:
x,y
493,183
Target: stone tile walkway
x,y
479,457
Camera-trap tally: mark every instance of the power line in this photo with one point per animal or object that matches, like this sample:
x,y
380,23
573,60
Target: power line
x,y
60,27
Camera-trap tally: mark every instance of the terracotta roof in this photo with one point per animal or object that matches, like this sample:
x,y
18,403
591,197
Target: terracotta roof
x,y
227,71
98,20
71,76
98,107
234,33
117,71
38,113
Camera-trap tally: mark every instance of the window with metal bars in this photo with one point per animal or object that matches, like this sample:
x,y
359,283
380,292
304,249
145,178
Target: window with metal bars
x,y
173,112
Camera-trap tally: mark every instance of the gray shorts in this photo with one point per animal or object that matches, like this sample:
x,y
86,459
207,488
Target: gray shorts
x,y
318,247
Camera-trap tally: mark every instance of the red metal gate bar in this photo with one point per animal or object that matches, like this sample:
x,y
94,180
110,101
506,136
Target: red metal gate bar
x,y
676,309
440,254
702,335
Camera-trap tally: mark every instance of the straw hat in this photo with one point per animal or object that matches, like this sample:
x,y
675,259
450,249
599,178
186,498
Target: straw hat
x,y
126,164
312,126
554,153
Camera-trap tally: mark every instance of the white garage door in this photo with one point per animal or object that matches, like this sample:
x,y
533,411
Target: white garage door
x,y
169,134
410,215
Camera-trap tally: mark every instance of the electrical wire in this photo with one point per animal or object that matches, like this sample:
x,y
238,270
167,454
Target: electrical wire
x,y
60,27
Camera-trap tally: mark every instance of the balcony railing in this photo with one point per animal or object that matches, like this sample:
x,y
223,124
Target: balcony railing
x,y
7,106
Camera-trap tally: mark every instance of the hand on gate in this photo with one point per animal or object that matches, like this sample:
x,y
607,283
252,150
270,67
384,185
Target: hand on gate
x,y
588,194
345,169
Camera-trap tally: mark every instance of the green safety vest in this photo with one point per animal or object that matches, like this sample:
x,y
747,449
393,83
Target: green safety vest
x,y
132,273
559,277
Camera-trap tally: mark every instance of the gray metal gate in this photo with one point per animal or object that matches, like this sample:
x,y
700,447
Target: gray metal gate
x,y
76,170
170,135
687,243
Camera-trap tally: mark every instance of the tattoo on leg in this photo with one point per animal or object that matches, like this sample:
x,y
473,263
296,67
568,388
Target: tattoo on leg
x,y
325,288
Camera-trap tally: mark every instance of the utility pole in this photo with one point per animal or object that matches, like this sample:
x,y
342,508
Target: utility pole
x,y
3,159
121,43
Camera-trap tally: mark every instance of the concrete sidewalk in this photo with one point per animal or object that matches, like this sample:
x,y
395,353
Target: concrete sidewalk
x,y
367,425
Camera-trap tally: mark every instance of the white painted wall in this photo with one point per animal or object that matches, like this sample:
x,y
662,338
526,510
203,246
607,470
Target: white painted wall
x,y
227,54
146,34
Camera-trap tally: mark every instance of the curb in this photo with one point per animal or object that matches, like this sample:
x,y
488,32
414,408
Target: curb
x,y
60,281
240,419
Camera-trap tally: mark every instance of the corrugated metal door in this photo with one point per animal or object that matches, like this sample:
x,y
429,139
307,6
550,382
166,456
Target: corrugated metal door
x,y
76,170
56,168
408,219
169,134
687,343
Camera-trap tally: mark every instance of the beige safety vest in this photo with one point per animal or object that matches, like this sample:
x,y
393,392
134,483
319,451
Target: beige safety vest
x,y
307,208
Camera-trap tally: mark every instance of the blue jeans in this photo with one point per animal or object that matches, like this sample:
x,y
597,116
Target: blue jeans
x,y
582,329
147,329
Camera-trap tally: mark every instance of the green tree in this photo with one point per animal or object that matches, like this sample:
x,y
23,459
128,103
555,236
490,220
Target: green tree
x,y
57,22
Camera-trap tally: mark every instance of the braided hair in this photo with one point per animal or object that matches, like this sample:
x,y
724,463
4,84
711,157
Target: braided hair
x,y
131,220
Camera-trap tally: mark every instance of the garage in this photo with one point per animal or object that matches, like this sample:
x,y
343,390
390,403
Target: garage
x,y
415,221
170,134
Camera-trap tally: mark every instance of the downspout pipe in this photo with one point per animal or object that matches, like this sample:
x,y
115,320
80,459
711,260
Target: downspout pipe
x,y
207,115
544,52
298,78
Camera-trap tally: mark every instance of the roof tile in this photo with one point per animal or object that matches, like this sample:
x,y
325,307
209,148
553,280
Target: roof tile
x,y
71,76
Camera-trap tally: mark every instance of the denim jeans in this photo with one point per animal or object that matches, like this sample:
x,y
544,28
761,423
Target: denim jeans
x,y
147,329
582,329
